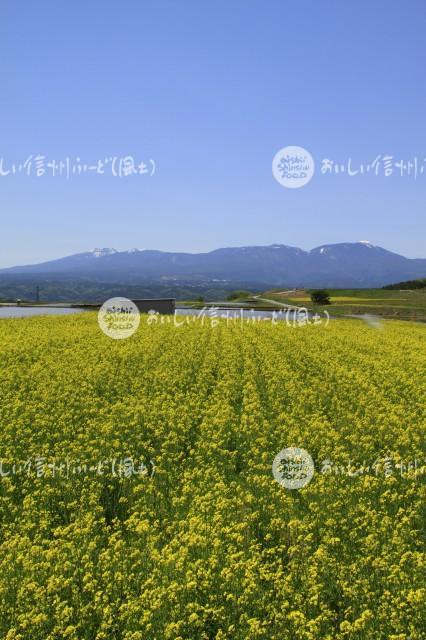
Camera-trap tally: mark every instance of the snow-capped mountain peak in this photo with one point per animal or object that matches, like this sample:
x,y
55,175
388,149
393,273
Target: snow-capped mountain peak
x,y
100,253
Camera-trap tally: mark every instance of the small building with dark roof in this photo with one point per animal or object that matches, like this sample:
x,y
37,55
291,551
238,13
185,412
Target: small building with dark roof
x,y
161,305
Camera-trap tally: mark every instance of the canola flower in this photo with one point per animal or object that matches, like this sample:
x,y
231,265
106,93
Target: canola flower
x,y
210,546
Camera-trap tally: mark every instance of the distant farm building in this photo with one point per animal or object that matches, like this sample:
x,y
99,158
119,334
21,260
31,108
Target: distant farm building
x,y
162,305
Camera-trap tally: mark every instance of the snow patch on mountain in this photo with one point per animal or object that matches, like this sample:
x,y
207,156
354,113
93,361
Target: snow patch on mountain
x,y
100,253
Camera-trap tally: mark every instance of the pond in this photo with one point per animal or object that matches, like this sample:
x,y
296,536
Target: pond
x,y
24,312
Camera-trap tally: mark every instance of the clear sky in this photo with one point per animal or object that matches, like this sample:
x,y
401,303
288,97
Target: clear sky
x,y
210,91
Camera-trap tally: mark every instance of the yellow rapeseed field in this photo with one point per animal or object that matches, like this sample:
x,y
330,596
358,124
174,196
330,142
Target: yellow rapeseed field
x,y
137,497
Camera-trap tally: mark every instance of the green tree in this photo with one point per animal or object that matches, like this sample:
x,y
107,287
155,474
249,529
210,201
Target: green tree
x,y
320,296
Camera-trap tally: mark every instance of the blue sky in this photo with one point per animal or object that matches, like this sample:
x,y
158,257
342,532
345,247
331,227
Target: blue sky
x,y
210,91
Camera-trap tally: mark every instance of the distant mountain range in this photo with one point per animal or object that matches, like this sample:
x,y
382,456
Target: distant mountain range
x,y
350,264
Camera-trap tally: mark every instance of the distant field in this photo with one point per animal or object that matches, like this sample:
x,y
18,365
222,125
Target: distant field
x,y
402,305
